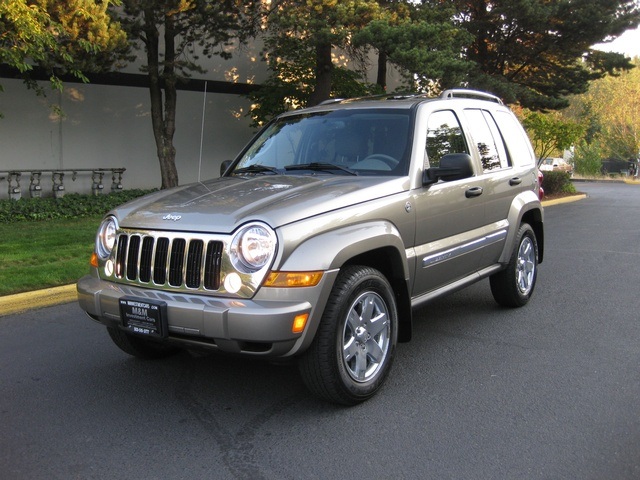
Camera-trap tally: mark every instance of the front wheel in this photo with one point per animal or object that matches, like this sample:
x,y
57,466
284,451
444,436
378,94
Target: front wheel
x,y
513,286
355,343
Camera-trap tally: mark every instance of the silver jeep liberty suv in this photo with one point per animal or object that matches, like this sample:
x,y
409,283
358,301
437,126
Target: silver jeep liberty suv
x,y
323,235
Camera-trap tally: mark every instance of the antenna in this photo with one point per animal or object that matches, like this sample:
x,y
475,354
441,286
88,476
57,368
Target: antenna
x,y
204,108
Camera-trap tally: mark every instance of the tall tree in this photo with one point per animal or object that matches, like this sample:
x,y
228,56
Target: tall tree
x,y
174,33
420,40
68,36
539,52
302,40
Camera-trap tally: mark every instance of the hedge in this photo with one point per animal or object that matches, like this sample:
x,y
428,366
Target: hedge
x,y
72,205
557,183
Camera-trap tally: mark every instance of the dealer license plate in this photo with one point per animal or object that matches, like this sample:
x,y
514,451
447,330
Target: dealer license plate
x,y
144,317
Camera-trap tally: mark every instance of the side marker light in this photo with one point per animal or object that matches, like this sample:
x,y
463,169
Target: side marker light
x,y
299,322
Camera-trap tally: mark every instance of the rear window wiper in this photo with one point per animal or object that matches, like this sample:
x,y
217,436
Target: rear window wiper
x,y
256,169
324,167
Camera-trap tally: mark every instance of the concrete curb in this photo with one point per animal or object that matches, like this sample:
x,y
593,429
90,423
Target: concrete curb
x,y
21,302
558,201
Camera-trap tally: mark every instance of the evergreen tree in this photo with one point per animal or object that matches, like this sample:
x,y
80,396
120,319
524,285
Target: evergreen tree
x,y
306,48
420,40
538,52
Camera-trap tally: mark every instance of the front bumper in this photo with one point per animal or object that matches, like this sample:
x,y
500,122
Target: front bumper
x,y
257,327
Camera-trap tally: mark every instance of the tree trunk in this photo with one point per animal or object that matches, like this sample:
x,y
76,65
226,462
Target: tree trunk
x,y
324,69
162,113
381,80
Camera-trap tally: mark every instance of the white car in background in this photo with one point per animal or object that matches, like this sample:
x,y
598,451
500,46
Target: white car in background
x,y
556,165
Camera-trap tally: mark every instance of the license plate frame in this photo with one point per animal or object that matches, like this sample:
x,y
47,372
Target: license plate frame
x,y
147,318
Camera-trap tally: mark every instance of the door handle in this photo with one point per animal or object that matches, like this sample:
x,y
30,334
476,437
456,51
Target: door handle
x,y
473,192
515,181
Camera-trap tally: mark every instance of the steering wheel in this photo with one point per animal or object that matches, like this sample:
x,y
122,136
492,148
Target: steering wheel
x,y
381,157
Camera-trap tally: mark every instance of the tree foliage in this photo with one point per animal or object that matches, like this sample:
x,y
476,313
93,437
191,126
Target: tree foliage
x,y
174,34
421,41
551,134
318,49
302,40
612,109
532,52
70,36
537,52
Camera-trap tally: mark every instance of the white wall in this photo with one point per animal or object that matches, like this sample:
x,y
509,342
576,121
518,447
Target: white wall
x,y
108,126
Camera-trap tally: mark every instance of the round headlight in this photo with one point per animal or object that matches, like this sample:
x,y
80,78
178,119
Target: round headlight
x,y
253,247
106,238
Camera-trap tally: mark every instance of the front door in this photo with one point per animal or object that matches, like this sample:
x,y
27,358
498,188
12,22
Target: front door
x,y
449,215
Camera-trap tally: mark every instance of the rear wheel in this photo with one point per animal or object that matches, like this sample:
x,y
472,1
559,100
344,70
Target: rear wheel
x,y
513,286
354,346
140,347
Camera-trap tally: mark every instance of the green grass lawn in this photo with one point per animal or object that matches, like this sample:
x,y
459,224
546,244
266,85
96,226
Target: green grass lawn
x,y
41,254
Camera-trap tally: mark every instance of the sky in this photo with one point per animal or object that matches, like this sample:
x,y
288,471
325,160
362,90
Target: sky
x,y
627,43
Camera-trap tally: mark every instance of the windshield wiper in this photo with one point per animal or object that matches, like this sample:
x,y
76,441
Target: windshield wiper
x,y
324,167
256,169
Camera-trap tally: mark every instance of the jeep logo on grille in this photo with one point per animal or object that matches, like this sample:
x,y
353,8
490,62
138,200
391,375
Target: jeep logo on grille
x,y
175,218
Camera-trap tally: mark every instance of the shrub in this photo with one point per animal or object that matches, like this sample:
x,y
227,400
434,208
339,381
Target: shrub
x,y
588,159
557,182
72,205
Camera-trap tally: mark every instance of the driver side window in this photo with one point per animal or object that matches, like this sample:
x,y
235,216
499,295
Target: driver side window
x,y
444,136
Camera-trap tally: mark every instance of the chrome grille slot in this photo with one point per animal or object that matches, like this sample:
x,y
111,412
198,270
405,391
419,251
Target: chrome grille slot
x,y
160,264
212,266
121,256
176,262
173,262
146,256
132,257
194,264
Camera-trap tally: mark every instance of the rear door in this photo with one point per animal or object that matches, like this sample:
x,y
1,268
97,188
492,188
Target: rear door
x,y
506,162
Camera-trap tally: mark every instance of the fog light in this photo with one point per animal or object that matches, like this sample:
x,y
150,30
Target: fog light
x,y
108,268
299,322
232,283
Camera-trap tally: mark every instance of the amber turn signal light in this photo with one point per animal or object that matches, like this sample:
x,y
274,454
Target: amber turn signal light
x,y
299,322
293,279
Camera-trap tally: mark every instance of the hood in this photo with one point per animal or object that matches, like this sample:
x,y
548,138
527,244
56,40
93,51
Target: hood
x,y
221,205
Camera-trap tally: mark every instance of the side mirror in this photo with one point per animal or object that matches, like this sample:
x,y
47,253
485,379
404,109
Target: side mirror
x,y
224,166
453,166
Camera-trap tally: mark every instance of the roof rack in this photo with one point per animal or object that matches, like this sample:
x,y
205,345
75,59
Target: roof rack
x,y
464,93
331,100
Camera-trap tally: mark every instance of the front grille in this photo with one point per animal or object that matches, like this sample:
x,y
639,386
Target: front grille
x,y
167,261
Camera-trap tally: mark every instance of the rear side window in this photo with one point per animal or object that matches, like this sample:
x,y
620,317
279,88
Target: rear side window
x,y
444,136
516,139
485,133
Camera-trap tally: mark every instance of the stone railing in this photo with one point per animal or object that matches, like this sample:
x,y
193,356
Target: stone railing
x,y
36,176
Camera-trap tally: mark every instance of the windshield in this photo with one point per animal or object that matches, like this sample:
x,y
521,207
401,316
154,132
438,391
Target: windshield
x,y
341,142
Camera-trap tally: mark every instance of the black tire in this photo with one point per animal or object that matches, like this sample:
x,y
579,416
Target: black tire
x,y
513,286
348,361
140,347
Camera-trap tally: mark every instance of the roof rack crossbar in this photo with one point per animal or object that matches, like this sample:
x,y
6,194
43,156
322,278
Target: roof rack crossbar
x,y
464,93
